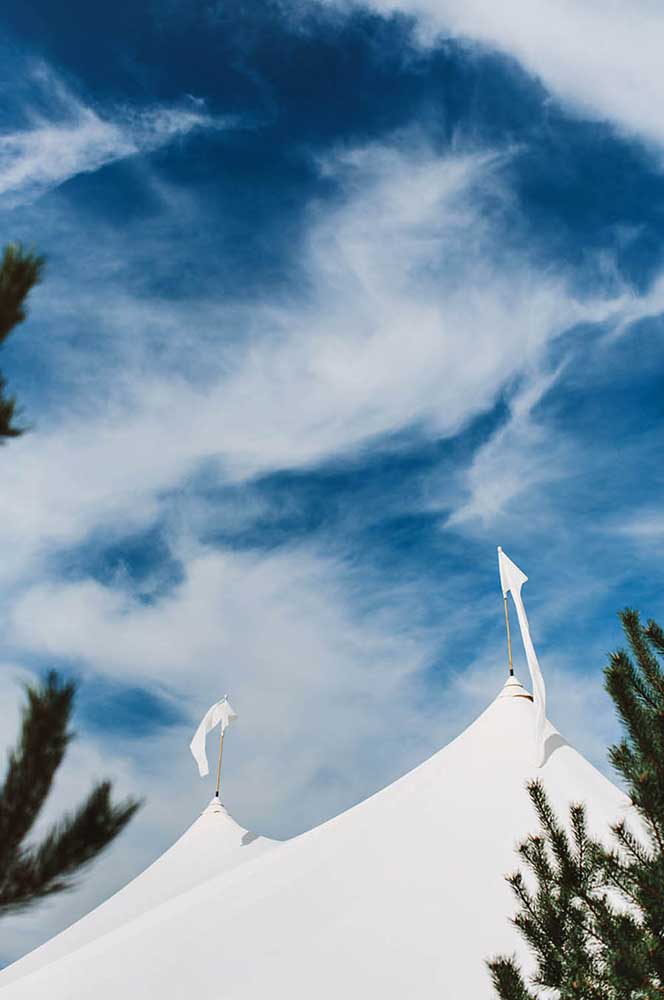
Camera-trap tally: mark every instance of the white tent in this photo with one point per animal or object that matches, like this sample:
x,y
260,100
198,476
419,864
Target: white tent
x,y
402,896
214,844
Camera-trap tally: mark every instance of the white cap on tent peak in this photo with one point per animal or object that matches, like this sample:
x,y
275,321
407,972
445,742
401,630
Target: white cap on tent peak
x,y
513,688
215,806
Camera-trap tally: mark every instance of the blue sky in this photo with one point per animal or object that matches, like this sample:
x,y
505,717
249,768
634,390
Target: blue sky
x,y
339,297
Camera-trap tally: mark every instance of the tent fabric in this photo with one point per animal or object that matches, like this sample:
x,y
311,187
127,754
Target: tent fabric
x,y
403,895
213,844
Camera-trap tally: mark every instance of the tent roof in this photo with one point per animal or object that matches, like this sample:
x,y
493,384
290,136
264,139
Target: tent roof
x,y
213,844
402,895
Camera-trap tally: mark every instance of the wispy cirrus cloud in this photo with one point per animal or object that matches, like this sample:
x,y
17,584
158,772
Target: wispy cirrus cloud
x,y
522,453
413,310
602,61
68,136
644,526
405,273
343,325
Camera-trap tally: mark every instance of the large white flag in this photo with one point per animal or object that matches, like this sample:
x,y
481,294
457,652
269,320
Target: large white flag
x,y
221,712
512,579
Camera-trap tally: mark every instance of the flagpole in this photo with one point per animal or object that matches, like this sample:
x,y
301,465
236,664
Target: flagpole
x,y
221,750
507,625
509,638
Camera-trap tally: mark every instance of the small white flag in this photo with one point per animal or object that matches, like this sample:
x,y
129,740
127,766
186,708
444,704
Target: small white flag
x,y
512,579
221,712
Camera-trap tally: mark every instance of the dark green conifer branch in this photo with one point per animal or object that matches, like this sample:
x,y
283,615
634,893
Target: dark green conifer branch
x,y
28,873
20,271
594,920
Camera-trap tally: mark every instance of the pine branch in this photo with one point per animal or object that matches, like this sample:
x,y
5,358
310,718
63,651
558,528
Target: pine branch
x,y
595,922
507,980
7,413
51,866
655,634
638,641
66,850
32,764
20,271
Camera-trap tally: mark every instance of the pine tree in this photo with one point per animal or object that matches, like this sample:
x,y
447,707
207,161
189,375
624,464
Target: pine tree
x,y
20,271
594,917
31,872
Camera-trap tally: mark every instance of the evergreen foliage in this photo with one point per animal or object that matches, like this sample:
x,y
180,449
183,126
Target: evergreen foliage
x,y
20,271
592,914
28,873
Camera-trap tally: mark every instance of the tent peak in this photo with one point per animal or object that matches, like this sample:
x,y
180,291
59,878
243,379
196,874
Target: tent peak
x,y
215,805
513,688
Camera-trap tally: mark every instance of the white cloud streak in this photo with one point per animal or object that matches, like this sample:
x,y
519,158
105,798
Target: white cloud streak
x,y
416,313
601,60
408,279
74,138
644,526
520,455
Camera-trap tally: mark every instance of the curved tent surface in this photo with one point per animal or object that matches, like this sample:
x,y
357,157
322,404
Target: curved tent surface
x,y
402,896
213,844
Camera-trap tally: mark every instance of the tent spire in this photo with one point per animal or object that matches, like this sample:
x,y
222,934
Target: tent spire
x,y
507,626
